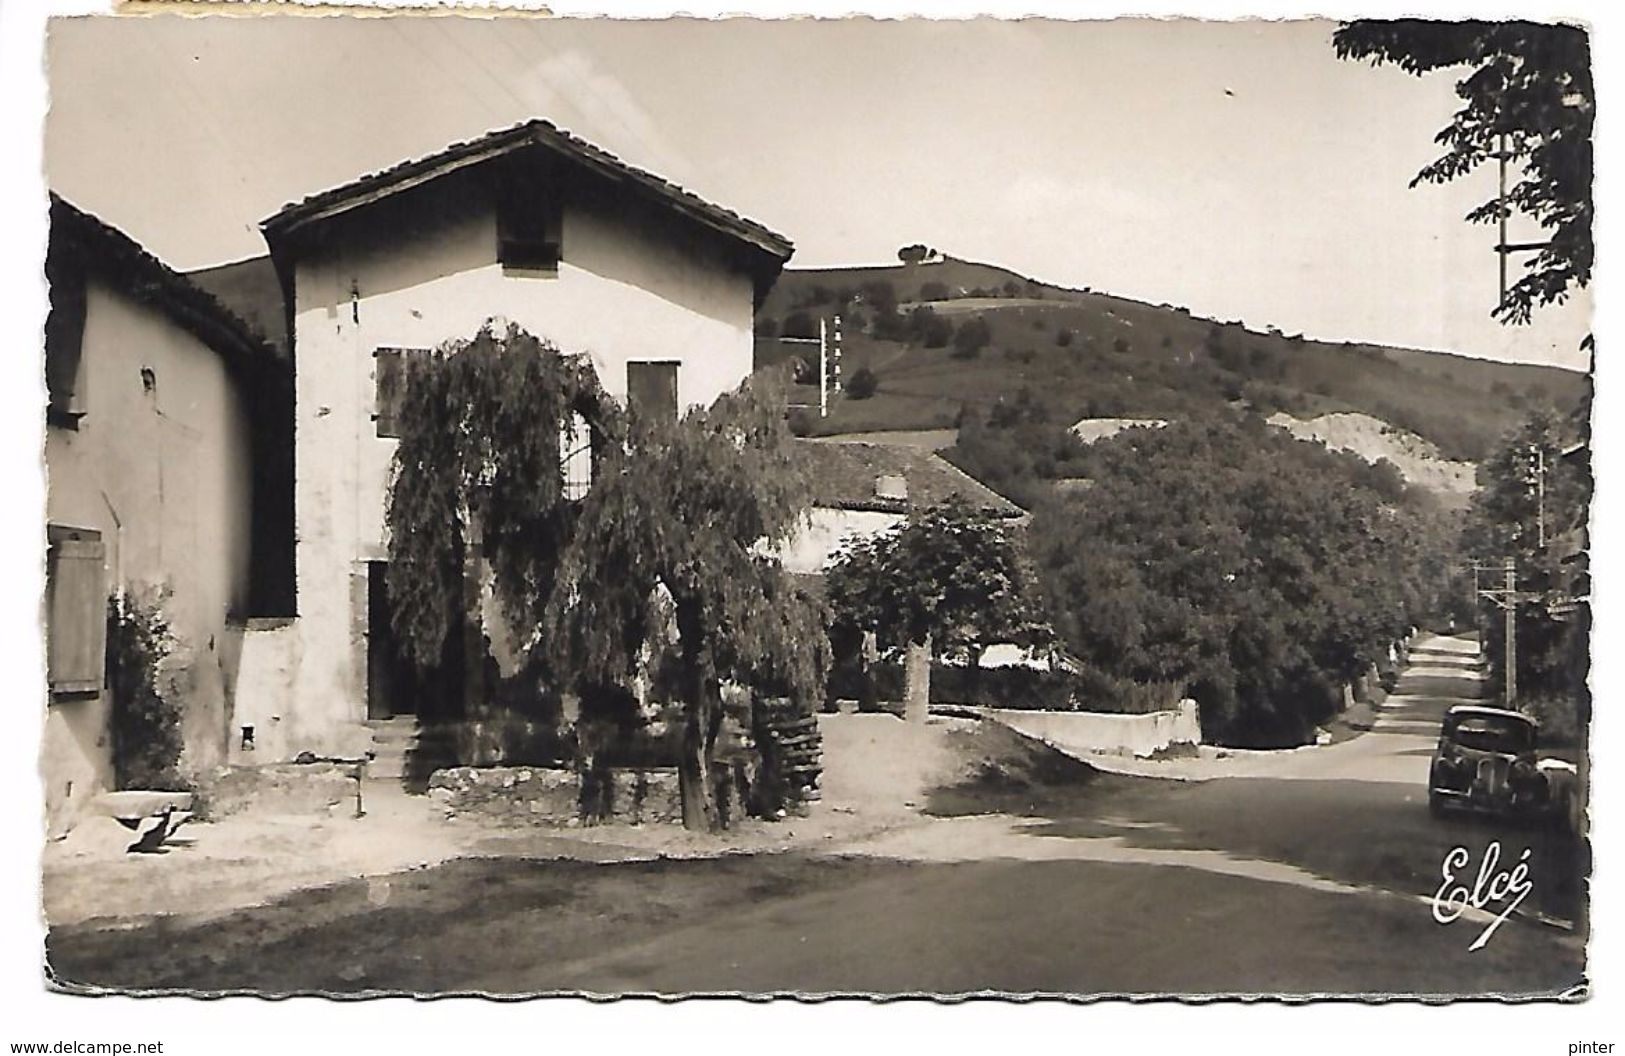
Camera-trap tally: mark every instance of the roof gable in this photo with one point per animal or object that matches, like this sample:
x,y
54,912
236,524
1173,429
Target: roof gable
x,y
534,133
82,243
844,475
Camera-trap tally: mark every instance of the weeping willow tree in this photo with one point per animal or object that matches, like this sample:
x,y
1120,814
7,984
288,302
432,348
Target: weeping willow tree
x,y
479,478
695,506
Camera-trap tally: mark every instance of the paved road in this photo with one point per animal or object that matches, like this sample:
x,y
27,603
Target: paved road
x,y
1312,874
1307,873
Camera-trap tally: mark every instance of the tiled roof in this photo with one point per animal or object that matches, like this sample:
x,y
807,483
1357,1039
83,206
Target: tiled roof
x,y
844,475
535,132
91,243
252,290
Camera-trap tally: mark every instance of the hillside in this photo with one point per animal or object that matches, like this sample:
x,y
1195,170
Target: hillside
x,y
1086,354
1417,460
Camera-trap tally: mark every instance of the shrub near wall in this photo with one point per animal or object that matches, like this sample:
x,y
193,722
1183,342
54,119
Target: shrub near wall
x,y
1015,689
147,709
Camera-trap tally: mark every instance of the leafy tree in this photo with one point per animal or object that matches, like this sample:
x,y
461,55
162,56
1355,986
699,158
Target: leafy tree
x,y
926,326
947,582
692,508
1531,83
862,384
146,709
1537,475
478,477
880,295
685,508
971,338
1258,570
914,254
800,324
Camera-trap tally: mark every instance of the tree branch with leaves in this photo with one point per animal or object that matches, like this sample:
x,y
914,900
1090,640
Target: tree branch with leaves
x,y
1529,87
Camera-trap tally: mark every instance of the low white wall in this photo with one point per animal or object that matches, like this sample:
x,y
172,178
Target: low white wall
x,y
1101,733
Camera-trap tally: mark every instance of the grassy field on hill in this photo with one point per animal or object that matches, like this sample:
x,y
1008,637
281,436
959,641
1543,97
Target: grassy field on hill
x,y
1081,354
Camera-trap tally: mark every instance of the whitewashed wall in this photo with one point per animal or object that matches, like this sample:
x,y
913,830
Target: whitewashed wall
x,y
624,292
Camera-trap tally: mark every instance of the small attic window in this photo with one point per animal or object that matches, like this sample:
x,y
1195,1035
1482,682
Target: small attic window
x,y
529,233
891,486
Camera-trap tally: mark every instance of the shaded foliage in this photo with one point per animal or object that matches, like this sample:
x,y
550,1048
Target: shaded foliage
x,y
949,573
691,509
677,522
1016,448
146,708
1259,571
1532,83
862,384
1541,469
478,464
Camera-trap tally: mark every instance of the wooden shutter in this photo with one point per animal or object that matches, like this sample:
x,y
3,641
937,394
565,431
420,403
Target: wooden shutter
x,y
76,612
529,230
651,389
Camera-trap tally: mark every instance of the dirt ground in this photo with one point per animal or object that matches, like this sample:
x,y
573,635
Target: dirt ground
x,y
879,771
951,857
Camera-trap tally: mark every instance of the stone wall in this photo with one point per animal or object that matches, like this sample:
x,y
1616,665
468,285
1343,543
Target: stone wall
x,y
1089,732
283,788
553,796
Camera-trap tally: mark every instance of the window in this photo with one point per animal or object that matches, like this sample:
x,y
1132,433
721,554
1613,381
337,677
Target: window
x,y
389,372
575,457
75,611
529,231
651,389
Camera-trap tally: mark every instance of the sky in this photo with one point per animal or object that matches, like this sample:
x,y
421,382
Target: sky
x,y
1239,169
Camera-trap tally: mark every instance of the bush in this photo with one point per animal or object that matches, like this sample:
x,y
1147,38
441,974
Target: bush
x,y
1016,688
146,706
934,329
1121,346
767,326
1559,718
972,338
862,384
1063,338
799,324
801,421
934,291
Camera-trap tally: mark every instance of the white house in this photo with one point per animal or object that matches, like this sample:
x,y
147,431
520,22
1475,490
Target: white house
x,y
530,224
164,420
862,489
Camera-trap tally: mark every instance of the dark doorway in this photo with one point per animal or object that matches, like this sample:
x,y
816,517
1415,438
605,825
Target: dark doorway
x,y
388,673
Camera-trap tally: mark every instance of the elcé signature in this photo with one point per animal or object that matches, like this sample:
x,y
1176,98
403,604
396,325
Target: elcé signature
x,y
1492,887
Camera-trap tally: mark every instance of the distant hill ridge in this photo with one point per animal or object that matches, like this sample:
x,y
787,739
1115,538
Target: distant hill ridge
x,y
1081,353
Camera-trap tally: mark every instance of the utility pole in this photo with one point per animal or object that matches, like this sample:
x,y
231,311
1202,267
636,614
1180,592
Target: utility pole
x,y
823,368
836,355
1511,633
827,356
1538,468
1503,210
1507,597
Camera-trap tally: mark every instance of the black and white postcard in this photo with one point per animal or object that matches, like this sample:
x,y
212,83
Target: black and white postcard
x,y
791,508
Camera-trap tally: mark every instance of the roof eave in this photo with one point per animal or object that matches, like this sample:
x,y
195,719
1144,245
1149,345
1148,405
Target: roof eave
x,y
378,186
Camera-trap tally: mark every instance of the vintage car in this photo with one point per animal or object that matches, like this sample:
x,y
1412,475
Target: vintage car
x,y
1486,761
